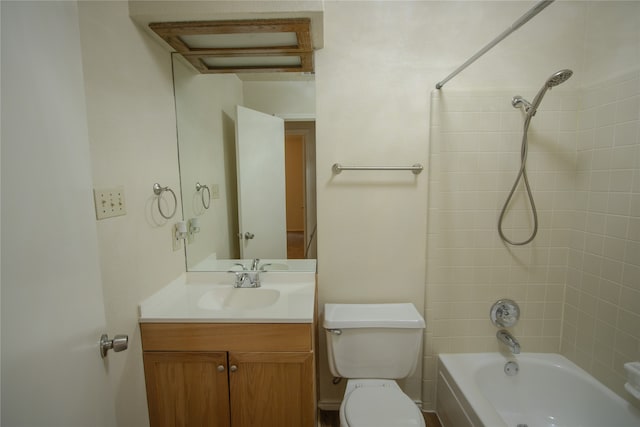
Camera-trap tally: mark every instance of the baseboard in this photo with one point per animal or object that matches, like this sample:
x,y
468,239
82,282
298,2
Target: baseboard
x,y
329,405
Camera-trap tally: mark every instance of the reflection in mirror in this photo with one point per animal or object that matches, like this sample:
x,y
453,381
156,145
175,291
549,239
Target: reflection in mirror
x,y
214,167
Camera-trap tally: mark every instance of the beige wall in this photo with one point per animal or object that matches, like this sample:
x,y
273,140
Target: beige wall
x,y
374,77
379,64
132,137
206,111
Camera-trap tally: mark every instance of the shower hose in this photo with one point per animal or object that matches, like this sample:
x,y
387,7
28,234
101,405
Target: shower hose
x,y
522,175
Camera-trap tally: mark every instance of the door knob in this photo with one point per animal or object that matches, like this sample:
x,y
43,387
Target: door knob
x,y
249,236
117,344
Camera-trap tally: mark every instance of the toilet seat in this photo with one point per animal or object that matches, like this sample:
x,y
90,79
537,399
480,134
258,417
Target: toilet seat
x,y
381,406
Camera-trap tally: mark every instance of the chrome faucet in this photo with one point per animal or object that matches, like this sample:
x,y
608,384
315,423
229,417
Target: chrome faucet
x,y
509,340
254,264
246,279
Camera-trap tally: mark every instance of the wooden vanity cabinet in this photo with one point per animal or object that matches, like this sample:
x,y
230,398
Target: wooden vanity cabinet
x,y
230,375
187,389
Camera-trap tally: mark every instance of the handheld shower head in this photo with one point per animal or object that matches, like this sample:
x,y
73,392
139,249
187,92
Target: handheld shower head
x,y
558,78
553,81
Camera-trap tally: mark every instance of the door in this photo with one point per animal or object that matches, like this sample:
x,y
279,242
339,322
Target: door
x,y
272,389
295,185
187,389
52,304
261,185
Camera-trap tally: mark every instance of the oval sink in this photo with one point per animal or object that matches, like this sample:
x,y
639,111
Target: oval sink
x,y
238,298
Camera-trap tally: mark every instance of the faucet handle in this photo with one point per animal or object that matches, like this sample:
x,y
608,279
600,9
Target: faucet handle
x,y
505,313
263,267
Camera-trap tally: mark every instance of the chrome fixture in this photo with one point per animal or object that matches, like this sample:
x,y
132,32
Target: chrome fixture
x,y
415,168
206,202
530,109
511,368
504,313
537,8
117,344
158,190
246,279
553,81
249,278
506,338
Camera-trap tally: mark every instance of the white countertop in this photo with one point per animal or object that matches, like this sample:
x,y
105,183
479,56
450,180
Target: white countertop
x,y
182,301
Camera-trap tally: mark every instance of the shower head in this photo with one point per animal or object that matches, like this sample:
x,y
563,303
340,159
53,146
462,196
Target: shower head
x,y
558,78
553,81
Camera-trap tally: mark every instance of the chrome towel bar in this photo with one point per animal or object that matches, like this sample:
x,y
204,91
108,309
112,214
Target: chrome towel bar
x,y
416,168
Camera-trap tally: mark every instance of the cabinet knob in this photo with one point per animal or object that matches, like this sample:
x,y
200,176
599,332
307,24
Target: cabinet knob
x,y
220,368
233,368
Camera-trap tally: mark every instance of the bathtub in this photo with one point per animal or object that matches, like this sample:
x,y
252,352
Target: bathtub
x,y
548,390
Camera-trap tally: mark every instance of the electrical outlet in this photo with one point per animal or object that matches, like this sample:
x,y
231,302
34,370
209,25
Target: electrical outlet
x,y
215,191
109,202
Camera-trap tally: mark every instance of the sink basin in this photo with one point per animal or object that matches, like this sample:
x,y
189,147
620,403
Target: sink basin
x,y
210,297
238,298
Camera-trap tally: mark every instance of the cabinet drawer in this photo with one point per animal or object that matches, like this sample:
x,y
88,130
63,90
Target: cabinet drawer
x,y
227,336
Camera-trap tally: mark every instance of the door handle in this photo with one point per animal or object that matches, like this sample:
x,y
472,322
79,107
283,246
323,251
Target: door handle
x,y
249,236
117,344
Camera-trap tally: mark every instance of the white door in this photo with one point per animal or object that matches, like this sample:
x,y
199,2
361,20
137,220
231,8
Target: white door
x,y
261,185
52,304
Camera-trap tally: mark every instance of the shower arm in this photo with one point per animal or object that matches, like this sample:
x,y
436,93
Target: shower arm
x,y
517,24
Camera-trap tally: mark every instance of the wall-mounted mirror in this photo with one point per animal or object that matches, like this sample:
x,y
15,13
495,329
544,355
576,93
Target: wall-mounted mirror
x,y
246,147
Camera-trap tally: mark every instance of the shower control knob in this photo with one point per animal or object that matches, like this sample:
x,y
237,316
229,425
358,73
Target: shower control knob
x,y
505,313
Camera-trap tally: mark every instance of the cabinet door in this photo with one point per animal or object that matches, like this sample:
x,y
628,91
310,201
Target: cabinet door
x,y
272,389
187,389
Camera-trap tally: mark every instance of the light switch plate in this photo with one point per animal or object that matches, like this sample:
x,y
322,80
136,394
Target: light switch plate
x,y
215,191
109,202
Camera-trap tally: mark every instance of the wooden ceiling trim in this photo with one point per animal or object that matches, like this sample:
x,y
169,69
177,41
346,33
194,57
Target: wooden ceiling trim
x,y
172,33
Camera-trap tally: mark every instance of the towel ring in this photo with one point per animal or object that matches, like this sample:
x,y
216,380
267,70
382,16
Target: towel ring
x,y
158,190
204,187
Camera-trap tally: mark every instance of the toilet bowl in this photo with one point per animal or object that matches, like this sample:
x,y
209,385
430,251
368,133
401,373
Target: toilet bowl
x,y
378,403
372,345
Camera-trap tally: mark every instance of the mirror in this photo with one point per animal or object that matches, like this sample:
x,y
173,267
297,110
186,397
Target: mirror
x,y
215,167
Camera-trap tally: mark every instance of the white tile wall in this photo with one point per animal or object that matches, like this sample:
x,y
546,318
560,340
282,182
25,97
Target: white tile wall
x,y
475,157
583,266
601,328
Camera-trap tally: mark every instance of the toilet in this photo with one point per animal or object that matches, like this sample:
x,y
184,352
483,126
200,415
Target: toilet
x,y
372,345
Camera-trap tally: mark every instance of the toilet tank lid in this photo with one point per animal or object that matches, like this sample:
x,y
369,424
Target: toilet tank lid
x,y
403,315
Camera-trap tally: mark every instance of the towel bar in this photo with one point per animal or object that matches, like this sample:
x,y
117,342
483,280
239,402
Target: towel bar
x,y
416,168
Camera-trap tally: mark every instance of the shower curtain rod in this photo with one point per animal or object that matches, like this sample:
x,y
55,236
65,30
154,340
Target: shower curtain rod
x,y
519,23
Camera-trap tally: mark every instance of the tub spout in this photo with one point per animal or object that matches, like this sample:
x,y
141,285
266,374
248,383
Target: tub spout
x,y
505,337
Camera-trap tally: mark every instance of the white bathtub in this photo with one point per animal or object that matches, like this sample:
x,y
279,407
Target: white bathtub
x,y
548,391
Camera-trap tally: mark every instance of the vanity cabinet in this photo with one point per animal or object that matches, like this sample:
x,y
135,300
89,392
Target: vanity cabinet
x,y
230,375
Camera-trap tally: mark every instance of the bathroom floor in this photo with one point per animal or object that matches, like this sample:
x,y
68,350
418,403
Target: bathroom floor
x,y
332,419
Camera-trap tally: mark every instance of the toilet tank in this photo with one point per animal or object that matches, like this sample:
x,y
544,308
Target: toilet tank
x,y
373,340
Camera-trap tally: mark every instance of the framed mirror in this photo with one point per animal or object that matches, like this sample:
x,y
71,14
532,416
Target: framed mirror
x,y
246,146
